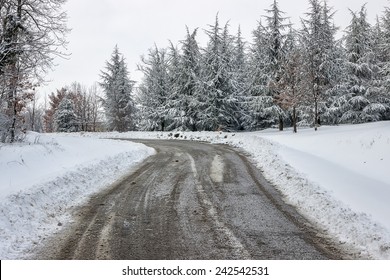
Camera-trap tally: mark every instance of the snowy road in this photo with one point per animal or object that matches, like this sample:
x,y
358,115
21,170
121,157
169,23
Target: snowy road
x,y
190,201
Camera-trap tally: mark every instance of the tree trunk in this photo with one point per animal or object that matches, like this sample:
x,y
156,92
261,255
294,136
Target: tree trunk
x,y
294,119
13,123
193,119
162,125
13,75
281,123
12,101
316,113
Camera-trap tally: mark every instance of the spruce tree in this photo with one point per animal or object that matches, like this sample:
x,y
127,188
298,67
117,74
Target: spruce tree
x,y
322,60
275,29
154,91
359,103
65,117
174,115
384,95
240,74
266,60
117,87
255,101
190,66
184,73
219,103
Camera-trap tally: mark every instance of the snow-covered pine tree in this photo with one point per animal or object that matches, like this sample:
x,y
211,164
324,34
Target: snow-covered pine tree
x,y
384,94
377,59
311,43
117,88
240,78
232,92
334,68
185,68
358,103
275,55
257,81
218,101
54,100
377,41
322,60
265,61
154,90
65,118
174,114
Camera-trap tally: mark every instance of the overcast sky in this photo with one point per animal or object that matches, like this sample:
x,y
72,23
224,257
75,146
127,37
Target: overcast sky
x,y
136,25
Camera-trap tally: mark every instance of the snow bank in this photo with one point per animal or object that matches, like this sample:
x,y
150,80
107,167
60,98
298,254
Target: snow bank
x,y
337,177
341,202
350,162
42,180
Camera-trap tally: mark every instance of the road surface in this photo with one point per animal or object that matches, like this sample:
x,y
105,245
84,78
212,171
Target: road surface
x,y
190,201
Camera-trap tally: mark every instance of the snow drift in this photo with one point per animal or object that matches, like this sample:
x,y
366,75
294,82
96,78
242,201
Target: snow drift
x,y
44,179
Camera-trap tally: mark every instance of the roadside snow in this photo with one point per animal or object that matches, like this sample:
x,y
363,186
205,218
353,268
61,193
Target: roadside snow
x,y
337,177
350,162
43,179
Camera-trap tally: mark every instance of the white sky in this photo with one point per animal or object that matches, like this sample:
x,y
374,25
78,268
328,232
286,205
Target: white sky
x,y
136,25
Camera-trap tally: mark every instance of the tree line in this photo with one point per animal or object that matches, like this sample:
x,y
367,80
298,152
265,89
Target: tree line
x,y
285,76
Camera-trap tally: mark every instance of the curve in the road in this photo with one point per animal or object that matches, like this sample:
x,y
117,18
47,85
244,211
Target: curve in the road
x,y
191,201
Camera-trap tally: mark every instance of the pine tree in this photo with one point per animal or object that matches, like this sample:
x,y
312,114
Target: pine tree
x,y
384,49
275,51
54,101
117,87
322,64
154,91
257,81
358,104
377,78
65,118
219,103
232,88
240,74
185,68
266,59
174,108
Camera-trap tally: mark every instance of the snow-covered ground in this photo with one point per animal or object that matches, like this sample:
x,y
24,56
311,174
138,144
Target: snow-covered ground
x,y
45,178
338,177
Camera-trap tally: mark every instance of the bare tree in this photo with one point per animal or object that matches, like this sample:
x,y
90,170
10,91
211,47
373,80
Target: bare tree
x,y
33,115
95,107
32,33
87,105
290,85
